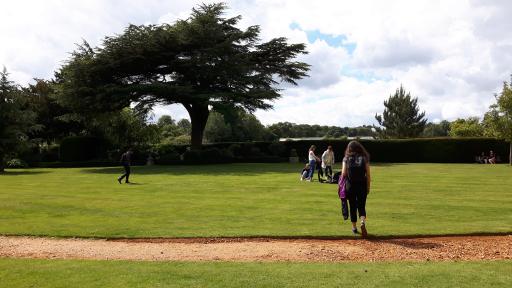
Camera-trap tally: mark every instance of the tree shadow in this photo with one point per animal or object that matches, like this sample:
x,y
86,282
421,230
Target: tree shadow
x,y
408,241
21,173
411,243
245,169
385,164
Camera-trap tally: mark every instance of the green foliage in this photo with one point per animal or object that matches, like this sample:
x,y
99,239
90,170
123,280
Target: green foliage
x,y
51,117
201,62
278,149
433,150
401,117
292,130
441,129
16,163
210,155
169,130
16,119
251,200
217,130
235,126
498,121
470,127
128,128
81,148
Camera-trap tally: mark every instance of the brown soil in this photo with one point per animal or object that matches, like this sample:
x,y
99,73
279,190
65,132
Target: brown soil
x,y
262,249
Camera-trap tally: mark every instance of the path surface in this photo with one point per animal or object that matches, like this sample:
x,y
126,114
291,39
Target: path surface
x,y
261,249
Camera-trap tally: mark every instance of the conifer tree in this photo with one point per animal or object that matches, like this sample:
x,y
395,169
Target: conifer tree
x,y
401,117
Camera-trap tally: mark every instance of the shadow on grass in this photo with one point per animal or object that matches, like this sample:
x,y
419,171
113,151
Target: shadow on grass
x,y
383,164
211,239
245,169
398,239
21,172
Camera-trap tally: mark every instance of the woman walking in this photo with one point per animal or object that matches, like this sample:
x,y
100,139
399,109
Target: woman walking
x,y
356,170
312,162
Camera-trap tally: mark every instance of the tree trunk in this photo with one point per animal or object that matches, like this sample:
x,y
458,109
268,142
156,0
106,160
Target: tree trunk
x,y
510,153
198,116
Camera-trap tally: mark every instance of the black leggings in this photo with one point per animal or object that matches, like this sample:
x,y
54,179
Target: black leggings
x,y
126,173
357,201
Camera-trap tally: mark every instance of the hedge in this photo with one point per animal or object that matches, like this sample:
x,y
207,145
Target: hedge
x,y
433,150
422,150
82,148
87,151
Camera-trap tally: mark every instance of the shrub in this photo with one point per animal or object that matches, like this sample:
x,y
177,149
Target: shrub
x,y
293,152
82,148
277,149
169,158
192,156
209,155
16,163
50,153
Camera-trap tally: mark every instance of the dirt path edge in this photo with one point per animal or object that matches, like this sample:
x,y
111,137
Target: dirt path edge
x,y
437,248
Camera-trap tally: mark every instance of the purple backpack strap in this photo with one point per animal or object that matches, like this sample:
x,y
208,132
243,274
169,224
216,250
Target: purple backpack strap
x,y
341,187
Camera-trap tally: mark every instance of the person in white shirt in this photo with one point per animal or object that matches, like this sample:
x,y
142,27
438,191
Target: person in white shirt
x,y
312,162
328,162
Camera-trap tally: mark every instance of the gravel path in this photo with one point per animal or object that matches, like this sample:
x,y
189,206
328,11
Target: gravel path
x,y
261,249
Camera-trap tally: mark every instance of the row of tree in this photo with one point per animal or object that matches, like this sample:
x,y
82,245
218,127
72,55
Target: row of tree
x,y
217,71
402,119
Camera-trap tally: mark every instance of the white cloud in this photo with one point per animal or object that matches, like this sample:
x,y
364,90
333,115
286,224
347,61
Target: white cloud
x,y
451,54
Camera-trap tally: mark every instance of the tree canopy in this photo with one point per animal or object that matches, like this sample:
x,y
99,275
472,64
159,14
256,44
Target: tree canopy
x,y
204,63
498,120
470,127
16,118
401,117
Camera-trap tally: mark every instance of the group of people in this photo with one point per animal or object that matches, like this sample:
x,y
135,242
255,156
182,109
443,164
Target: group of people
x,y
353,183
492,158
323,165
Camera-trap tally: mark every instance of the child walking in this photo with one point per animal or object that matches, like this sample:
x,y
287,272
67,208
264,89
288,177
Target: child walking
x,y
356,171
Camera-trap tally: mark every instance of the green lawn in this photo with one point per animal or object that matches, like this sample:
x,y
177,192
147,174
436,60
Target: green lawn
x,y
251,200
66,273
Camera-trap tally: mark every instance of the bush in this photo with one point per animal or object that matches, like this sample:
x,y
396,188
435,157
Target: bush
x,y
169,158
433,150
82,148
16,163
293,152
192,156
50,153
210,155
277,149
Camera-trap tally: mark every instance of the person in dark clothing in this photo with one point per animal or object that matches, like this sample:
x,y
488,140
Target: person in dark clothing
x,y
126,161
320,172
356,169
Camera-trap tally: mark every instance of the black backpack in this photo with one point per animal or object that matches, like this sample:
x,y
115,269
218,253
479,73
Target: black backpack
x,y
356,169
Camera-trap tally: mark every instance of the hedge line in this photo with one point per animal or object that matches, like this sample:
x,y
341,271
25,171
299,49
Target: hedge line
x,y
422,150
89,150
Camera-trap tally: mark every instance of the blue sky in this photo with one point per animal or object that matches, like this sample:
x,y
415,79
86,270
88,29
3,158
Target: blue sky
x,y
453,55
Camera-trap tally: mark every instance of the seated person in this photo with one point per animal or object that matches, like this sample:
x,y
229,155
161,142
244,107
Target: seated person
x,y
304,172
482,159
492,158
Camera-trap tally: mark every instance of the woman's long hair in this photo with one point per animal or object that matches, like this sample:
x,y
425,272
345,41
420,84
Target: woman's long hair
x,y
313,147
355,148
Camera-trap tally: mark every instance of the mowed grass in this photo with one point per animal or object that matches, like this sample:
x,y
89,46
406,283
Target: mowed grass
x,y
73,273
251,200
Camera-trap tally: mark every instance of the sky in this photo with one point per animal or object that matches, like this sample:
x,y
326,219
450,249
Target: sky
x,y
453,55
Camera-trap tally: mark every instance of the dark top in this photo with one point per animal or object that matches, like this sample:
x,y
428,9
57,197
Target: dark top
x,y
126,159
356,168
